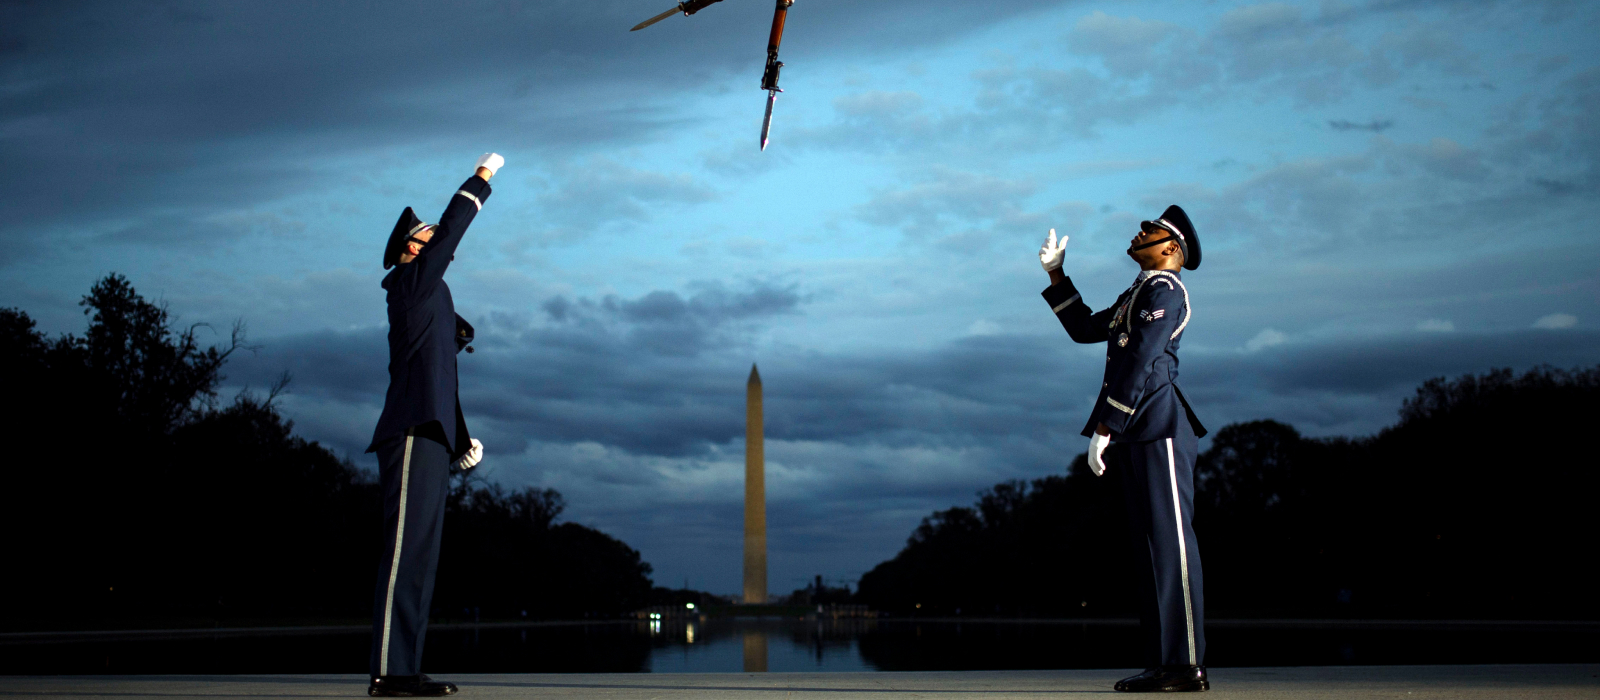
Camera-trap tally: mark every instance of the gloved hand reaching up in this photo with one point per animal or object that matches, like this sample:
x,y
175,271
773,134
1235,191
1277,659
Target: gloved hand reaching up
x,y
1051,254
491,162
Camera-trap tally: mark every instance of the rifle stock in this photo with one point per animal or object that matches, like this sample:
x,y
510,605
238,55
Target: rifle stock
x,y
690,7
769,78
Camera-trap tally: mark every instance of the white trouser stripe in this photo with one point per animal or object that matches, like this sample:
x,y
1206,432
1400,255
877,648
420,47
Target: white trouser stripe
x,y
394,566
1183,554
468,195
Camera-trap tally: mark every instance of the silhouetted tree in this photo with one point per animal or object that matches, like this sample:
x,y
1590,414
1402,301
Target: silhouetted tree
x,y
1050,547
1472,505
504,555
156,377
1481,493
137,498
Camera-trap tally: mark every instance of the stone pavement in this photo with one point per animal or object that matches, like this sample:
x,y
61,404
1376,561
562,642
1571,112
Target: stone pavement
x,y
1509,682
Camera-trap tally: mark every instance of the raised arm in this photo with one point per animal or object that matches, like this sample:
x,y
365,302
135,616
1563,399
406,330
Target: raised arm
x,y
425,271
441,249
1083,325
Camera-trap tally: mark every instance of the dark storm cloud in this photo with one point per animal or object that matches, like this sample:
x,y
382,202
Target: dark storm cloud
x,y
1556,187
624,372
1375,126
662,374
667,324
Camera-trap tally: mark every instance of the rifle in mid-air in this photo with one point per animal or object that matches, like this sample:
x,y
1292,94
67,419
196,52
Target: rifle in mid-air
x,y
687,8
769,76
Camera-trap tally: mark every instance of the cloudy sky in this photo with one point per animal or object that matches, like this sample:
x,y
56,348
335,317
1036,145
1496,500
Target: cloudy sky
x,y
1387,191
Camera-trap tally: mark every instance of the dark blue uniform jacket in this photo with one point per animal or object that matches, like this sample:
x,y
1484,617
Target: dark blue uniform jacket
x,y
425,333
1139,397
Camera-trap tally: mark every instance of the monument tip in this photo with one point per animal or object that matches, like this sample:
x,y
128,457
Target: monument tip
x,y
755,376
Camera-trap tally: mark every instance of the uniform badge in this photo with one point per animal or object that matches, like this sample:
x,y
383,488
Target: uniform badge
x,y
1149,316
1122,340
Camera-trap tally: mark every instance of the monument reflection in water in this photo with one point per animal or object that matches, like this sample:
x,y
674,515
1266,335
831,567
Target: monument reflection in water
x,y
756,646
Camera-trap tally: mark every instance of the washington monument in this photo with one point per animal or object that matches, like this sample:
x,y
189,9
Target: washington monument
x,y
755,496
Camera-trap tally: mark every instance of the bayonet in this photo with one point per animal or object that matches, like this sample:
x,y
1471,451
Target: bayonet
x,y
656,18
769,77
766,122
688,7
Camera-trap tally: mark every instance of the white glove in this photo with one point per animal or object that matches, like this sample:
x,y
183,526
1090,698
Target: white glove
x,y
1097,447
472,457
490,162
1051,254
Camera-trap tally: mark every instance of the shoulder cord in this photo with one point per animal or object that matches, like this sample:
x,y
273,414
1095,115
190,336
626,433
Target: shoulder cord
x,y
1161,274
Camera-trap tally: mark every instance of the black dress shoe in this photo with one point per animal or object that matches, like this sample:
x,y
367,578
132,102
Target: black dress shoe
x,y
1167,679
1146,675
419,686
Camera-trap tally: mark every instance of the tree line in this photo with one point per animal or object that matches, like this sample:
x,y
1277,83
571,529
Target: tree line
x,y
137,495
1476,503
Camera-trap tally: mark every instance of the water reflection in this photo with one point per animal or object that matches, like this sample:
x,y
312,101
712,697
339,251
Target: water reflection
x,y
723,645
756,645
755,652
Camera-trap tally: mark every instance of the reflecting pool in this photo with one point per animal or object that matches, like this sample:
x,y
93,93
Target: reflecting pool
x,y
778,644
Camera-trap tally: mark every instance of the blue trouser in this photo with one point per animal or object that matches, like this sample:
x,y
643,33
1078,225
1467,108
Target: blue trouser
x,y
1158,486
414,475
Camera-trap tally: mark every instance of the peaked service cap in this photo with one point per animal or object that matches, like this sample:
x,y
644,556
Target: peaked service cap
x,y
1174,220
408,225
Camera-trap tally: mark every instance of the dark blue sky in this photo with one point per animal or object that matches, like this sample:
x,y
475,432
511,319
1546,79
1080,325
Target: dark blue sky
x,y
1387,192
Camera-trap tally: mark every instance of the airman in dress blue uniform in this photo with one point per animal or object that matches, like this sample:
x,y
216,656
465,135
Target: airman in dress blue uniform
x,y
422,433
1143,427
